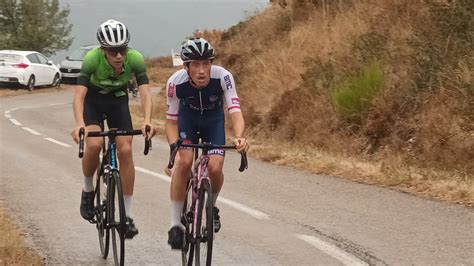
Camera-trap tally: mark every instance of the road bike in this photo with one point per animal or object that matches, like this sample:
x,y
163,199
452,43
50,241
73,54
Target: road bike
x,y
199,226
110,224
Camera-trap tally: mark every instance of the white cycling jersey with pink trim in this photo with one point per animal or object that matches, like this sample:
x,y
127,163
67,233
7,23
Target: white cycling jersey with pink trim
x,y
221,89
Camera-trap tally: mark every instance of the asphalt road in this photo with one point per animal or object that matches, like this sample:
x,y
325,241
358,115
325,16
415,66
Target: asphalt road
x,y
271,215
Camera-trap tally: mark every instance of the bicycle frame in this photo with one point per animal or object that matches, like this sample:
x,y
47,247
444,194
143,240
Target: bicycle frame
x,y
200,174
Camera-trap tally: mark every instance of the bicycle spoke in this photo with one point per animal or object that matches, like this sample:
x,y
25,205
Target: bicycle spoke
x,y
115,212
118,220
186,220
100,216
205,225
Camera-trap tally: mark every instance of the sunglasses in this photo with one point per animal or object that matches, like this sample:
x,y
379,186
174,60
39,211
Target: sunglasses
x,y
114,51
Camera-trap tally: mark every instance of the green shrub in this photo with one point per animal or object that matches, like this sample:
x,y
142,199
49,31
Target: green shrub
x,y
352,97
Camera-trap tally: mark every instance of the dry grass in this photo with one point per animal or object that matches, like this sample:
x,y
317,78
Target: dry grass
x,y
10,92
160,69
455,187
13,249
417,135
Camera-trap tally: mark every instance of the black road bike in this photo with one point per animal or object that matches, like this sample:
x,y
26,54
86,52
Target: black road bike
x,y
109,209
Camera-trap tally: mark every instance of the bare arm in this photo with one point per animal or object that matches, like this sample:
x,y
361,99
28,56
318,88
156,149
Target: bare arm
x,y
146,101
78,104
171,128
147,106
78,109
238,124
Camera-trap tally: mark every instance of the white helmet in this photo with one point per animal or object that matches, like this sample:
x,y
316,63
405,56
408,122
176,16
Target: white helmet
x,y
113,33
196,49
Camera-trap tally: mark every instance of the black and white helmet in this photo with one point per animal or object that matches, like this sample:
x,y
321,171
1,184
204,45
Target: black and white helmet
x,y
196,49
113,33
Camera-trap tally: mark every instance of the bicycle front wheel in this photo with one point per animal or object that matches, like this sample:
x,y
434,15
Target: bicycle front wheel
x,y
186,220
204,225
100,216
116,216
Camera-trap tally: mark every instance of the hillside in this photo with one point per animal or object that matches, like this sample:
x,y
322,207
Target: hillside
x,y
377,91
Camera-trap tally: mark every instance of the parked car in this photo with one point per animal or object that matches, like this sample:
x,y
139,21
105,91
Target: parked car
x,y
71,66
28,69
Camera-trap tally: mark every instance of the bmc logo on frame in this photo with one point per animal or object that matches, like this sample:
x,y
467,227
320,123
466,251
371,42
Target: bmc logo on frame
x,y
228,83
171,90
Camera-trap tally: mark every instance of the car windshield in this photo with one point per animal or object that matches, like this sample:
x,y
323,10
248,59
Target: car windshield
x,y
10,58
78,55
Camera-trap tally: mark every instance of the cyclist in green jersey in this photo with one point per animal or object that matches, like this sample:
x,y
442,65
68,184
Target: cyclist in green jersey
x,y
102,90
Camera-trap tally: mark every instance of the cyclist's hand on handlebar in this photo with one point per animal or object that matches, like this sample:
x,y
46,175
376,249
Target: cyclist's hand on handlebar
x,y
150,134
75,133
241,145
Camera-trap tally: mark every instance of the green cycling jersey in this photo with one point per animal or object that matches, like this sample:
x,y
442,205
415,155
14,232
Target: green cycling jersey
x,y
97,73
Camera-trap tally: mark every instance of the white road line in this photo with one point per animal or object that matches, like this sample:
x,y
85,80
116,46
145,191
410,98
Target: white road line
x,y
8,115
16,123
58,142
13,109
54,104
7,112
160,176
332,251
31,131
252,212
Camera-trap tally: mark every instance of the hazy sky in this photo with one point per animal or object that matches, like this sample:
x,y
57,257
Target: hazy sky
x,y
156,26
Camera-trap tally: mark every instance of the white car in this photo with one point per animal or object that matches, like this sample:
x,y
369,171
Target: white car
x,y
71,66
27,68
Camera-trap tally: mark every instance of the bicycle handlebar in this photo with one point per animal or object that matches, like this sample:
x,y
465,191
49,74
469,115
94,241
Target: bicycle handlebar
x,y
204,146
112,133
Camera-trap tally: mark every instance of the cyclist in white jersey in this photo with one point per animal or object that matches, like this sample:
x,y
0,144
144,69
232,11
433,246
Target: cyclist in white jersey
x,y
196,98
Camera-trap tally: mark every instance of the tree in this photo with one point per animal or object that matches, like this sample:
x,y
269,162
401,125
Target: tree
x,y
36,25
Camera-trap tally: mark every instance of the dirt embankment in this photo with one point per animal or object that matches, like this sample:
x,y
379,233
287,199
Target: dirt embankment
x,y
379,92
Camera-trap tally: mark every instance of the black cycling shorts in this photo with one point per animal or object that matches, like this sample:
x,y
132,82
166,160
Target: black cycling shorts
x,y
115,108
210,126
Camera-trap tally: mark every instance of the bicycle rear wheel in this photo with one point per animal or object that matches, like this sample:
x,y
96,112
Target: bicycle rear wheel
x,y
100,216
204,225
116,218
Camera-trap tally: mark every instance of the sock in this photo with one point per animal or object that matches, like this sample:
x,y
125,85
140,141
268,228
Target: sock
x,y
214,198
127,200
88,184
176,210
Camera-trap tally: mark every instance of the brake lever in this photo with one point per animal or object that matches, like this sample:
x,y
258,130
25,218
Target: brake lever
x,y
243,162
147,141
81,142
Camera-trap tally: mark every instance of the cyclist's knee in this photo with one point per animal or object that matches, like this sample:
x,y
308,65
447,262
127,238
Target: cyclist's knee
x,y
93,146
186,158
215,165
124,153
214,170
185,162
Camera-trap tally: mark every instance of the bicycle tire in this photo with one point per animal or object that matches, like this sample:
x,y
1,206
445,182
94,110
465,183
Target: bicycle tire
x,y
205,225
117,227
103,231
186,220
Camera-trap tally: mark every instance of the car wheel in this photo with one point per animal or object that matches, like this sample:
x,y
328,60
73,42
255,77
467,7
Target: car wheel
x,y
56,80
31,83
